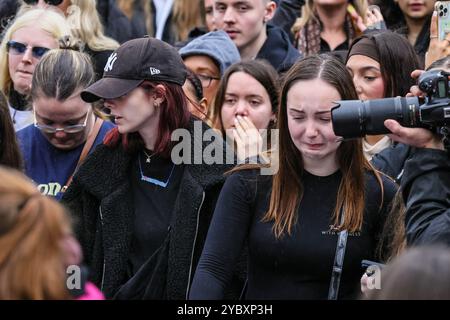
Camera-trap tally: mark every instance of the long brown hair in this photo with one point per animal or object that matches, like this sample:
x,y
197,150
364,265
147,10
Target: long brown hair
x,y
287,188
9,150
32,228
261,71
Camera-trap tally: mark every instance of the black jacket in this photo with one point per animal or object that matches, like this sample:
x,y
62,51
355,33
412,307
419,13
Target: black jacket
x,y
391,160
287,12
8,9
426,191
169,34
116,23
278,50
101,203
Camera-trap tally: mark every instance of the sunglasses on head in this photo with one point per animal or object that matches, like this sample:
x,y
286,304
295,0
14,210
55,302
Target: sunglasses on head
x,y
50,2
18,48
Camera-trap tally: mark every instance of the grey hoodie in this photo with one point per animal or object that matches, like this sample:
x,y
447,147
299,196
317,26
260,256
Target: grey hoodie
x,y
215,44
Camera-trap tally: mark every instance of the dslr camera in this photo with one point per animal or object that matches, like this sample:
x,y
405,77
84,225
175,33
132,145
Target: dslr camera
x,y
357,118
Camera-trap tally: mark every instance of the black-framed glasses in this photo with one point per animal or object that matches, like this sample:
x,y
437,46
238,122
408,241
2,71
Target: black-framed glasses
x,y
19,48
76,128
50,2
206,80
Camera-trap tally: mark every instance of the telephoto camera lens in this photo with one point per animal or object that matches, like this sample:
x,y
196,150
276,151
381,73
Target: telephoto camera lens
x,y
357,118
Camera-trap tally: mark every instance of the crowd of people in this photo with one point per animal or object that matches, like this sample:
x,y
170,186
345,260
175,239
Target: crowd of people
x,y
185,150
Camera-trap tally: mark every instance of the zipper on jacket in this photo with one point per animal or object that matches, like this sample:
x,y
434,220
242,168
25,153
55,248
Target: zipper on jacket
x,y
193,246
104,264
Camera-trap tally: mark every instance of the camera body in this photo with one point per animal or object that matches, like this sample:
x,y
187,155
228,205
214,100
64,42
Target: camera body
x,y
357,118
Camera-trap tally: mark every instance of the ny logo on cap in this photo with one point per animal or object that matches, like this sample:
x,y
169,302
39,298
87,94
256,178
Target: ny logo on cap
x,y
111,60
154,71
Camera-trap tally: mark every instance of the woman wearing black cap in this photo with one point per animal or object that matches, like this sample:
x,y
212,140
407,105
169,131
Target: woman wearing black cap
x,y
142,219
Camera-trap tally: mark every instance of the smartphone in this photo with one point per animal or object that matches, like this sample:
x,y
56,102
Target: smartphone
x,y
443,14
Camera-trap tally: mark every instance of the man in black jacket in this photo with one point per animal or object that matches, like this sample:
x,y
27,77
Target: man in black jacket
x,y
425,186
246,24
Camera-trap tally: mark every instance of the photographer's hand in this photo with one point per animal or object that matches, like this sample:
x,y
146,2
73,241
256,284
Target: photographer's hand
x,y
416,137
414,91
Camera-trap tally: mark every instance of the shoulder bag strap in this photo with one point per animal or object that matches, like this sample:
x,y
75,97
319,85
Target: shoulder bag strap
x,y
87,147
338,263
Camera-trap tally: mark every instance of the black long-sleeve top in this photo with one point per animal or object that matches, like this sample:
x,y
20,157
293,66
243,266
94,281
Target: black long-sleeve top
x,y
297,266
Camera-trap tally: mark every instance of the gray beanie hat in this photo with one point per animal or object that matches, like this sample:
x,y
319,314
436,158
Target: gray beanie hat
x,y
216,45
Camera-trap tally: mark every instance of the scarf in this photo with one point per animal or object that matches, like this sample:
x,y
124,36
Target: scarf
x,y
308,37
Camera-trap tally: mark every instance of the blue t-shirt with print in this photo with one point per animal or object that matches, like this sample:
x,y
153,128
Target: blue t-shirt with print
x,y
47,166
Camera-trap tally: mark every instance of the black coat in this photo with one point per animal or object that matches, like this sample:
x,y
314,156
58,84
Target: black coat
x,y
426,191
116,23
8,9
391,160
101,203
287,12
278,50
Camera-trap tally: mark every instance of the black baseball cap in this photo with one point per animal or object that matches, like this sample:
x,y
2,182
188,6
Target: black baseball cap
x,y
132,63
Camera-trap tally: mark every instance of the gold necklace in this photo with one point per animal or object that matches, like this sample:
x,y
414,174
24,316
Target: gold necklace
x,y
149,157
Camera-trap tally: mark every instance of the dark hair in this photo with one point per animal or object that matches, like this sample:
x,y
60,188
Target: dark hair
x,y
60,73
287,189
392,240
418,274
196,84
9,150
397,60
261,71
440,63
174,115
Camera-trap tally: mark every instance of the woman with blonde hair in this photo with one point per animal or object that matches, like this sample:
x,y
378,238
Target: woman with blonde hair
x,y
328,25
36,243
86,25
27,39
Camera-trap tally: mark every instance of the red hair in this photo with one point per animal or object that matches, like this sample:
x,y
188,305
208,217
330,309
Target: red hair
x,y
174,115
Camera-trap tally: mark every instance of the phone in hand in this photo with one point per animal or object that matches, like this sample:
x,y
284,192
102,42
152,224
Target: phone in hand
x,y
443,15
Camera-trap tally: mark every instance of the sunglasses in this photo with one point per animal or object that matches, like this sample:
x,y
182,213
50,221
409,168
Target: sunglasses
x,y
50,2
18,48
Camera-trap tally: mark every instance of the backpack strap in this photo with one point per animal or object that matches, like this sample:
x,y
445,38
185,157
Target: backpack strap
x,y
87,147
